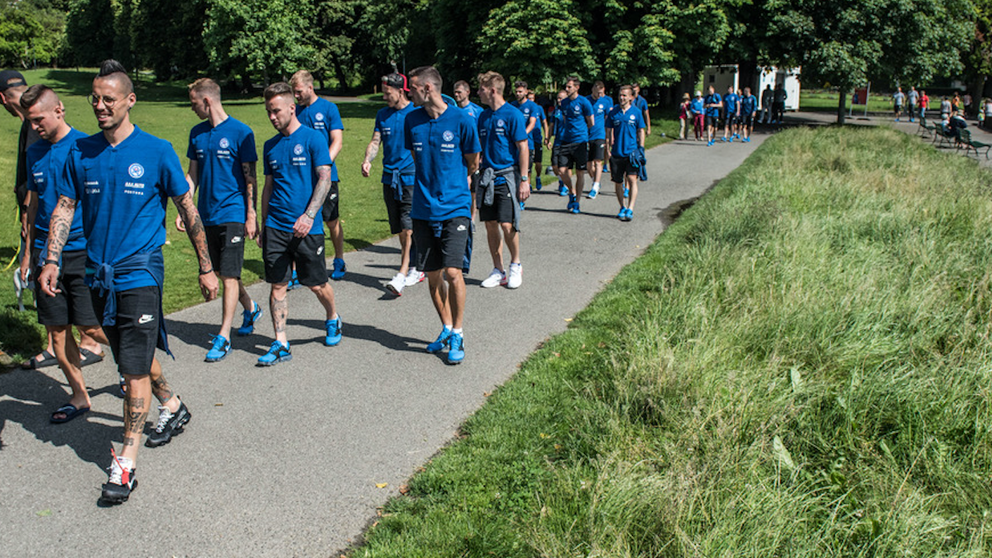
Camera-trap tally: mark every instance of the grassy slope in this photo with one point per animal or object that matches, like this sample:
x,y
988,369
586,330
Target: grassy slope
x,y
798,367
163,110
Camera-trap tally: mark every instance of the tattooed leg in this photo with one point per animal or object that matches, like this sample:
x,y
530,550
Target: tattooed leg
x,y
137,400
161,388
279,308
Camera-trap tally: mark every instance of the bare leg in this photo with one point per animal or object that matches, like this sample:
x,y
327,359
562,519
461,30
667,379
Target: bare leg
x,y
325,294
279,308
512,242
456,295
620,196
232,293
337,237
244,297
68,355
632,186
137,401
495,244
406,240
579,183
439,295
161,388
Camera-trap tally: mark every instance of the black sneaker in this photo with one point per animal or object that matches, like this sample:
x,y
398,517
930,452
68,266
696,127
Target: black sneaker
x,y
169,424
121,483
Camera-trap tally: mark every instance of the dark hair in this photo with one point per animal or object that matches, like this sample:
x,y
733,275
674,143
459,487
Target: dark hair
x,y
113,69
428,74
575,80
520,83
276,89
33,94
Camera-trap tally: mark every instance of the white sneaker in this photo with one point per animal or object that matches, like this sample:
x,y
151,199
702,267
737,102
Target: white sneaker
x,y
495,279
396,284
516,276
413,277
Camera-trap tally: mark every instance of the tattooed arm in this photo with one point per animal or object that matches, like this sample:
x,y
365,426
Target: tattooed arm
x,y
304,223
194,229
370,152
264,208
58,235
193,179
251,199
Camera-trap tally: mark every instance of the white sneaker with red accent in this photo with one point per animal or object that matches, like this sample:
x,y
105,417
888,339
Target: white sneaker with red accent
x,y
495,279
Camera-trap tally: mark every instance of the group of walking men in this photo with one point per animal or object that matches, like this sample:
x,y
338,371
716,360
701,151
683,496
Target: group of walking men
x,y
96,211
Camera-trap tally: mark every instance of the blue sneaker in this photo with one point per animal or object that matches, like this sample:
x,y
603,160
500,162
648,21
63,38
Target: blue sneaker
x,y
521,206
220,349
593,193
562,189
628,214
440,342
538,185
456,349
575,207
277,353
333,328
248,319
571,203
294,283
709,143
622,214
339,269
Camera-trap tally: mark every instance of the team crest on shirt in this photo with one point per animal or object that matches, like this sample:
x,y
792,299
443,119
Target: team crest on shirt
x,y
501,123
136,171
447,135
577,109
224,144
319,117
298,149
633,117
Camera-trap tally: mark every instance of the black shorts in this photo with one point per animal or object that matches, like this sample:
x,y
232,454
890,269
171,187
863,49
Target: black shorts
x,y
502,208
134,337
597,149
747,119
329,211
731,119
280,249
620,167
711,121
226,245
398,210
441,247
569,153
555,150
73,305
537,154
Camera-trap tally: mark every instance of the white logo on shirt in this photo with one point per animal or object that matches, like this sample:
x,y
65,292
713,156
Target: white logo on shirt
x,y
224,144
145,318
298,149
136,170
447,135
319,116
576,109
633,117
499,123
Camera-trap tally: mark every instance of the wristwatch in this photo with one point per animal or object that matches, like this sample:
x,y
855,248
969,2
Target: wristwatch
x,y
523,177
314,216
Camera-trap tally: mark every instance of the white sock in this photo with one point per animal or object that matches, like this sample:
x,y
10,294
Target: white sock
x,y
595,185
447,327
514,264
458,331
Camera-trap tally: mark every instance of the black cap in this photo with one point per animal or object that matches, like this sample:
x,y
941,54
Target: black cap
x,y
396,80
11,78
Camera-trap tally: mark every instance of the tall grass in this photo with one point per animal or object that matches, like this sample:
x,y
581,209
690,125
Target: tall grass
x,y
798,367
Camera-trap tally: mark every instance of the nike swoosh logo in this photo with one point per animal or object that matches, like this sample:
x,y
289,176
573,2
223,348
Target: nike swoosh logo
x,y
145,318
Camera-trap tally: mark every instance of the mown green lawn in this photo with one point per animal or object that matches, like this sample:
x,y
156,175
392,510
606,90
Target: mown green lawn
x,y
163,110
826,101
800,366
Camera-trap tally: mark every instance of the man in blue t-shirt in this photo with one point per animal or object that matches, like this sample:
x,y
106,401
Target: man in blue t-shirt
x,y
601,105
537,137
642,105
626,138
557,124
322,115
45,161
531,112
297,178
731,114
713,105
462,91
397,175
121,178
222,160
503,185
749,111
577,118
445,145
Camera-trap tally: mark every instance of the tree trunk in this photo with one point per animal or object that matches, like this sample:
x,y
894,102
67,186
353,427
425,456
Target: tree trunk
x,y
841,106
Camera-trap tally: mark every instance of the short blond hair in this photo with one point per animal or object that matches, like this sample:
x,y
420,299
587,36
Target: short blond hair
x,y
302,77
205,87
494,80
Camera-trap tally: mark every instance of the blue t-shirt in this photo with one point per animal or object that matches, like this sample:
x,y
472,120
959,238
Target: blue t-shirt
x,y
559,122
624,126
499,131
529,109
123,191
46,168
472,110
600,108
219,152
730,103
641,104
292,163
440,191
535,135
749,105
323,116
697,105
389,122
713,99
574,113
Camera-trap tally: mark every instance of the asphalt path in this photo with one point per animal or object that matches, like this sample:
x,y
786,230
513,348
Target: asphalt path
x,y
295,459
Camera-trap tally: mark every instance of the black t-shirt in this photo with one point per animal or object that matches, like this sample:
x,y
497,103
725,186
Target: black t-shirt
x,y
25,139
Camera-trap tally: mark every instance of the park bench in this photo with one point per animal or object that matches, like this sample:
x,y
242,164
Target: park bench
x,y
925,130
970,144
949,137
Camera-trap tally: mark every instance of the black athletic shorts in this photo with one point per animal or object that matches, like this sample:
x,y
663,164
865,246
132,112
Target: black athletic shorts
x,y
398,210
226,245
537,154
73,305
134,337
441,245
329,211
597,150
712,121
620,167
569,153
501,210
280,249
555,150
747,119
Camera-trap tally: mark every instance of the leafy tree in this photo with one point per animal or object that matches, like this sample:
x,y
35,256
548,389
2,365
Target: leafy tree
x,y
176,23
89,33
30,32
